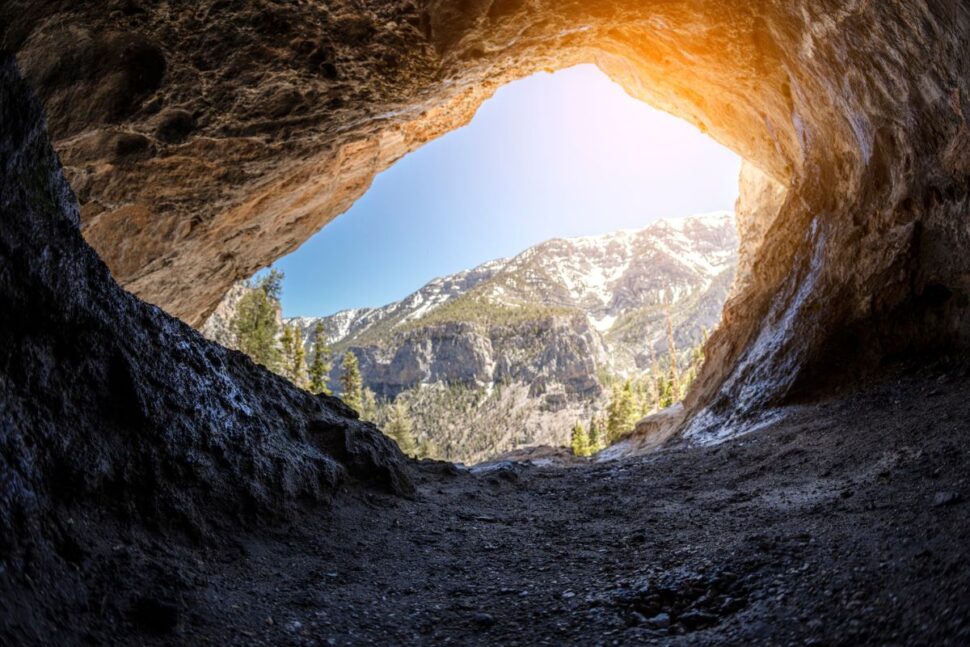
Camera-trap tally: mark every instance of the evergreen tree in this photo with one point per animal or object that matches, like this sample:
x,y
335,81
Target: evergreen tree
x,y
580,441
255,322
621,411
594,437
399,427
320,362
293,365
299,359
672,348
370,408
351,384
665,389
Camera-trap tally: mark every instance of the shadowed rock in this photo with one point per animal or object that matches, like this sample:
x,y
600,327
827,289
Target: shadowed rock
x,y
111,409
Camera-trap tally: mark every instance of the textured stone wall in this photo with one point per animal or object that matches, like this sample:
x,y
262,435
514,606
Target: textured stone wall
x,y
205,141
108,405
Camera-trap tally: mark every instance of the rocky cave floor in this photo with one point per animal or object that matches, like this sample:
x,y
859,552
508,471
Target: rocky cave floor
x,y
845,522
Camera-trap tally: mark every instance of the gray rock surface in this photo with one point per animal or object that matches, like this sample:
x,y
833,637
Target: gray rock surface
x,y
112,410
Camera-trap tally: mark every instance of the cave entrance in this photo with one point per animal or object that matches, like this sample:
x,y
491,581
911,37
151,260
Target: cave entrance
x,y
547,275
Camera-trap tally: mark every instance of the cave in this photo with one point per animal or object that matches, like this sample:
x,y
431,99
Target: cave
x,y
151,480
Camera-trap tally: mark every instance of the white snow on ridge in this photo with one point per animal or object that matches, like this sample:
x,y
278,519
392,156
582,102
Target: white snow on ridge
x,y
589,272
603,324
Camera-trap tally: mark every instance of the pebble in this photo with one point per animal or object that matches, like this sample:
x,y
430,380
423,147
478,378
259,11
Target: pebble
x,y
661,620
483,619
946,498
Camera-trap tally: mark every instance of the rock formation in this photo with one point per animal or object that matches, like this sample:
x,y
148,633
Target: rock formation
x,y
108,406
606,297
204,142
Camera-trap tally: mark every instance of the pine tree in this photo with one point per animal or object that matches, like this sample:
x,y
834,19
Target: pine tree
x,y
351,385
370,408
672,348
621,412
594,437
665,388
320,362
299,359
255,322
293,365
653,384
399,427
580,440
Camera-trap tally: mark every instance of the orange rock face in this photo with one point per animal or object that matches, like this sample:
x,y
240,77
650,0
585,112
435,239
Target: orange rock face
x,y
206,141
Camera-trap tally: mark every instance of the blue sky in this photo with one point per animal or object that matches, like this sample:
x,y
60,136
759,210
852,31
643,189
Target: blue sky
x,y
553,155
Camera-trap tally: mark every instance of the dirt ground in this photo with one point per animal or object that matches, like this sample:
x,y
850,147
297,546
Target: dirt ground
x,y
845,522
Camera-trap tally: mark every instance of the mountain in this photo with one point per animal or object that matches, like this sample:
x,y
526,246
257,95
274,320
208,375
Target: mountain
x,y
532,339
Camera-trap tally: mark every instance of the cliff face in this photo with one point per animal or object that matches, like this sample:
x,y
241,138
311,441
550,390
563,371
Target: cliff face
x,y
859,108
109,406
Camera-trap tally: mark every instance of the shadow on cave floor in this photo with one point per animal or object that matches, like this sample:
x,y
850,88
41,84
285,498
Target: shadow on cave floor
x,y
843,523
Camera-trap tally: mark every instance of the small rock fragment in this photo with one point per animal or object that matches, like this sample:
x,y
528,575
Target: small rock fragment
x,y
483,619
661,620
946,498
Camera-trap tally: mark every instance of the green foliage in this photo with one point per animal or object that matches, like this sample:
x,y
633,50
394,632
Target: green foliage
x,y
255,322
320,362
595,436
580,441
369,406
293,365
399,427
637,398
457,422
622,412
427,449
351,384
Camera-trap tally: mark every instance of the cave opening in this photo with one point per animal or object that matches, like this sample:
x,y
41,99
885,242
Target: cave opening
x,y
158,487
546,275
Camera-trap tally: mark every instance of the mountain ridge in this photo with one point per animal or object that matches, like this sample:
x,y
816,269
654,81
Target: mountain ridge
x,y
344,325
516,350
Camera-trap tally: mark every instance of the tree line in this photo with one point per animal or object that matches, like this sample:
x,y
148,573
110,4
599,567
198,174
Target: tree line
x,y
633,399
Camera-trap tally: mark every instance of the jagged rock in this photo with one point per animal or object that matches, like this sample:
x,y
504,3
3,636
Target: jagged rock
x,y
112,409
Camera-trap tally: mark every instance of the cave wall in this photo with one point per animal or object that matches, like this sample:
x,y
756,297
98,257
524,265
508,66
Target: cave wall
x,y
112,410
206,141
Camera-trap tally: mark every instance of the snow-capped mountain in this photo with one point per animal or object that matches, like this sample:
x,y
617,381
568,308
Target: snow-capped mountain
x,y
614,281
515,351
